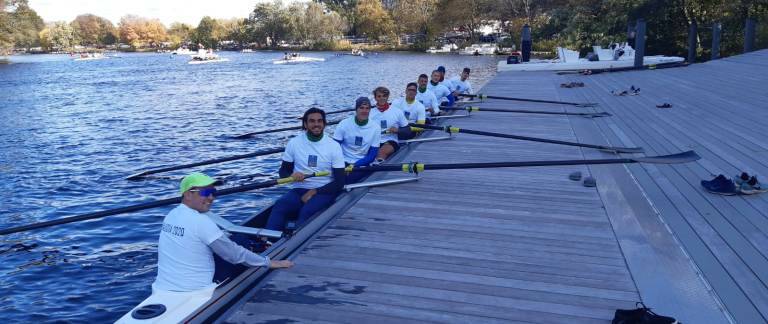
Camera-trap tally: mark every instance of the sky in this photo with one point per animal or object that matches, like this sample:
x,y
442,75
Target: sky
x,y
168,11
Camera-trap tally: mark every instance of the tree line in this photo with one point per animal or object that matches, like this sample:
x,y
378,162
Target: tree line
x,y
320,24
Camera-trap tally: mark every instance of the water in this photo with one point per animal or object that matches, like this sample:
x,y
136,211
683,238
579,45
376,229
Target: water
x,y
72,131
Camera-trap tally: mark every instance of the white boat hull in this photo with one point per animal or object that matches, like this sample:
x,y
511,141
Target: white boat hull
x,y
584,64
208,61
89,58
299,60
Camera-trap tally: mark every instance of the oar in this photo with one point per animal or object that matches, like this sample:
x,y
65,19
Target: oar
x,y
275,130
152,204
578,104
523,111
451,129
334,112
415,167
143,174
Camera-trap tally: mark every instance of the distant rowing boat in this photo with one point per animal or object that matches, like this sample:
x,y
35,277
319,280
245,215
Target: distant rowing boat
x,y
298,59
204,61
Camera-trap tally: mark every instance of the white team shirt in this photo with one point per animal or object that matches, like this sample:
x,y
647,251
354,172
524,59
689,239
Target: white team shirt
x,y
356,140
450,84
309,157
392,117
428,99
463,87
440,90
414,112
184,261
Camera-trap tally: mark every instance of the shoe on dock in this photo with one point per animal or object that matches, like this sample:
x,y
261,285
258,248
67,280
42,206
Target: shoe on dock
x,y
720,185
642,315
590,182
575,176
750,186
664,105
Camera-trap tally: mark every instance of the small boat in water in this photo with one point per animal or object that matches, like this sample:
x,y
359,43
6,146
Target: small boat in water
x,y
90,57
183,51
479,49
447,48
619,56
203,57
296,58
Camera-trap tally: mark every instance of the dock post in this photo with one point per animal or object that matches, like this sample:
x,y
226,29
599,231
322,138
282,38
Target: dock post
x,y
716,30
693,31
749,35
639,43
526,43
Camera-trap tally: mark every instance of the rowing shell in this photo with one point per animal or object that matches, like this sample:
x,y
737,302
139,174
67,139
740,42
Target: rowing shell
x,y
212,302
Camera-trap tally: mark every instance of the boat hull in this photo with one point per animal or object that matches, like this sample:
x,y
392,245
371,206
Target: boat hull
x,y
583,64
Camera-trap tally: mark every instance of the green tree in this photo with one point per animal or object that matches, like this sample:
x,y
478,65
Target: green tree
x,y
346,9
414,16
60,36
207,32
269,23
19,25
373,21
180,34
466,15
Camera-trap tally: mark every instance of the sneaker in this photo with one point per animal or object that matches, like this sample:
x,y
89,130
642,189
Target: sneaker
x,y
590,182
575,176
743,177
751,186
377,162
642,315
720,185
664,105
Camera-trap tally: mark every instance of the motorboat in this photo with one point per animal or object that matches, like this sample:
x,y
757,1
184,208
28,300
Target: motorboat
x,y
446,48
296,58
479,49
203,57
618,56
183,51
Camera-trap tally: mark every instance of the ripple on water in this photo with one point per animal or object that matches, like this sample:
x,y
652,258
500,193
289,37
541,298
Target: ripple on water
x,y
73,130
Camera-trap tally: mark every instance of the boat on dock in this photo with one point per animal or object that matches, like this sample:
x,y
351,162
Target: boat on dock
x,y
618,57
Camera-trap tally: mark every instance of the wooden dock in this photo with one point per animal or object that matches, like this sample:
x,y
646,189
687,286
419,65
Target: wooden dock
x,y
529,245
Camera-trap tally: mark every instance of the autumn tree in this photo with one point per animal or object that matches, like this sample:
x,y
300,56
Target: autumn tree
x,y
373,21
141,32
19,25
93,30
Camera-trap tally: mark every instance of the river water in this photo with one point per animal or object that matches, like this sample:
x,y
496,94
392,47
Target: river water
x,y
73,130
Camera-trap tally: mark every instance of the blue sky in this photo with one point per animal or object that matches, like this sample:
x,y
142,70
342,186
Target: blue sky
x,y
167,11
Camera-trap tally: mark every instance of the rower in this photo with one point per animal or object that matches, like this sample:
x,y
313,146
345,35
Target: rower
x,y
440,90
427,97
461,83
413,110
448,83
309,152
392,121
359,139
189,238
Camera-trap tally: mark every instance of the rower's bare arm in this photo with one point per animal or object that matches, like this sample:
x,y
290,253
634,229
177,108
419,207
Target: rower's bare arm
x,y
279,264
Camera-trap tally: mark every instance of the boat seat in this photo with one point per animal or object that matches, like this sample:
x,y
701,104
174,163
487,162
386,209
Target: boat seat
x,y
603,54
566,55
232,228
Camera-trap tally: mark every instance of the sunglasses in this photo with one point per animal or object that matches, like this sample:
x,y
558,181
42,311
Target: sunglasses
x,y
206,192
